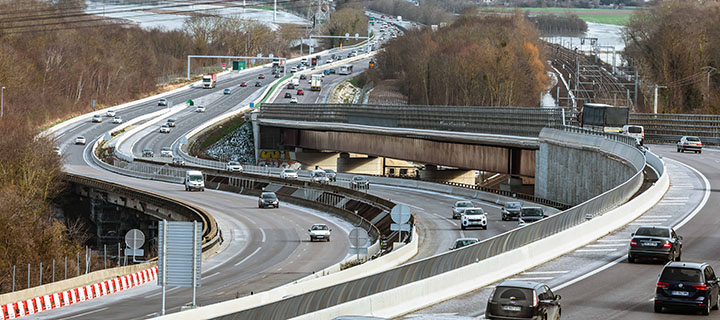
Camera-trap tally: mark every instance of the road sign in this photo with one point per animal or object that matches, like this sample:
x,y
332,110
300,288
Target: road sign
x,y
92,104
134,239
347,36
184,140
358,251
358,238
223,65
271,55
400,214
107,136
179,256
312,50
357,36
190,102
134,252
399,227
252,105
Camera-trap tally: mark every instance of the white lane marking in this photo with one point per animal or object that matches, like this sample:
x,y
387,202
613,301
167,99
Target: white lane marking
x,y
606,245
671,204
595,250
677,226
547,272
645,224
651,220
531,278
210,276
654,216
263,235
86,313
248,257
613,240
676,198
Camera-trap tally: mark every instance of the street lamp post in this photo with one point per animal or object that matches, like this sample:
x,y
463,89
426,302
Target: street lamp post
x,y
2,102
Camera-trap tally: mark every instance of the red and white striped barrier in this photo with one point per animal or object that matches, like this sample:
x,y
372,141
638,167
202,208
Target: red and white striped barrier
x,y
72,296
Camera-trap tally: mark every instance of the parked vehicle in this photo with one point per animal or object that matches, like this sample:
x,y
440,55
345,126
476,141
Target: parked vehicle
x,y
463,242
209,80
459,208
97,118
319,176
147,152
319,231
332,176
523,300
651,242
289,174
687,285
531,214
194,180
80,140
234,166
511,211
689,143
268,199
359,182
473,217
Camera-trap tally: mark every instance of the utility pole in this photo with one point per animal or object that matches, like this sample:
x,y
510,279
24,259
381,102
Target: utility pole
x,y
274,10
656,87
2,101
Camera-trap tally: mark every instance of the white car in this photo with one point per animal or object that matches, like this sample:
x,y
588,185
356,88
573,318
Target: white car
x,y
293,100
164,129
319,176
689,143
163,102
463,242
97,118
289,174
319,231
473,217
110,113
166,152
234,166
293,69
200,109
57,151
328,61
80,140
117,120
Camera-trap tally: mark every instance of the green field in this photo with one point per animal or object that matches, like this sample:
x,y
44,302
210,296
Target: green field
x,y
605,16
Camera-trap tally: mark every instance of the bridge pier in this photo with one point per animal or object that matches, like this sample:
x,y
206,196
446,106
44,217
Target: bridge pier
x,y
464,176
310,159
360,165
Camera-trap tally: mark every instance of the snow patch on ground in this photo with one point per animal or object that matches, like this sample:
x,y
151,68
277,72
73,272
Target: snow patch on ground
x,y
237,146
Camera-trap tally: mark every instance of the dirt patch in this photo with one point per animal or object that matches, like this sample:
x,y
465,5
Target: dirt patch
x,y
387,92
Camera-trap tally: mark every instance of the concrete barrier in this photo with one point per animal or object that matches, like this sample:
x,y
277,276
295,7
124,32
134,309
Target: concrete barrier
x,y
420,294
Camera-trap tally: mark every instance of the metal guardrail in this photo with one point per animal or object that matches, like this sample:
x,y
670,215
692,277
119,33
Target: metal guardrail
x,y
525,122
671,127
429,267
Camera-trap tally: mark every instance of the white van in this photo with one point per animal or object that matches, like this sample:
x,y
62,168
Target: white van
x,y
194,180
637,132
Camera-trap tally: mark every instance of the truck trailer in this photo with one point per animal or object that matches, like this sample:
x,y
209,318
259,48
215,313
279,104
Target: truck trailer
x,y
316,82
209,80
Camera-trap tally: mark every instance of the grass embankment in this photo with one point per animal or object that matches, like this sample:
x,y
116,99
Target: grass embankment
x,y
618,17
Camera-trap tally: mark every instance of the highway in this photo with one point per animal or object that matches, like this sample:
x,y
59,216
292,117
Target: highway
x,y
262,249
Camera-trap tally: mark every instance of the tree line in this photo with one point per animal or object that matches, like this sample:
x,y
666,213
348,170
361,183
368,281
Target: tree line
x,y
424,13
550,24
487,60
677,44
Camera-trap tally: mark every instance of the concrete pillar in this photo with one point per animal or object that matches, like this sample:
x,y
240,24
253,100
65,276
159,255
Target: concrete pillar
x,y
360,164
451,175
310,159
256,131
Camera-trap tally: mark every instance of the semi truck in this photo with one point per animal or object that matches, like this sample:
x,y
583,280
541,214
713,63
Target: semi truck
x,y
604,117
316,82
209,80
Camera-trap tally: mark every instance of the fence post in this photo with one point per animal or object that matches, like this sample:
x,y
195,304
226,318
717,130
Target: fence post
x,y
40,273
28,275
13,286
118,254
65,267
53,277
78,264
105,255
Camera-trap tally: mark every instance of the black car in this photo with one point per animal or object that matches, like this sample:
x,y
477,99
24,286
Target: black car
x,y
522,300
288,95
268,199
651,242
511,211
687,285
331,71
258,84
532,214
303,77
359,182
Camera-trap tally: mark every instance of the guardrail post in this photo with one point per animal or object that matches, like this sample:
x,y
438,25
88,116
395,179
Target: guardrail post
x,y
13,285
28,276
40,273
53,277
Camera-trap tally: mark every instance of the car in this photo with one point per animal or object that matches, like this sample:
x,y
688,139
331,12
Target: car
x,y
164,129
302,68
57,151
226,91
147,152
516,299
689,143
288,95
258,84
234,166
277,76
655,242
319,231
319,176
163,102
300,92
166,152
511,211
289,174
194,180
97,118
293,69
294,100
691,285
473,217
531,214
243,84
332,176
268,199
200,109
261,76
303,77
331,71
80,140
110,113
291,86
328,61
359,182
637,132
117,120
274,70
463,242
170,123
304,61
459,208
178,161
326,73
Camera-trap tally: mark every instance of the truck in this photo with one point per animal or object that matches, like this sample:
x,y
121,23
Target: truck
x,y
315,61
295,81
277,63
604,117
209,80
316,82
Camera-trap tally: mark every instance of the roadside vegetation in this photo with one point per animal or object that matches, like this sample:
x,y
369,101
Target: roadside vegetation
x,y
346,21
677,44
548,24
487,60
425,13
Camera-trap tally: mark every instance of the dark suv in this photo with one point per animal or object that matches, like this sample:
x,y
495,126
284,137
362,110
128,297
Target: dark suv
x,y
687,285
523,300
532,214
652,242
511,211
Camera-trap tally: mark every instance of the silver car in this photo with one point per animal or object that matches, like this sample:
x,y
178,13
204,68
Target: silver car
x,y
459,208
319,176
289,174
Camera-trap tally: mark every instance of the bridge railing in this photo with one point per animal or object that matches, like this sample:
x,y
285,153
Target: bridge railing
x,y
671,127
